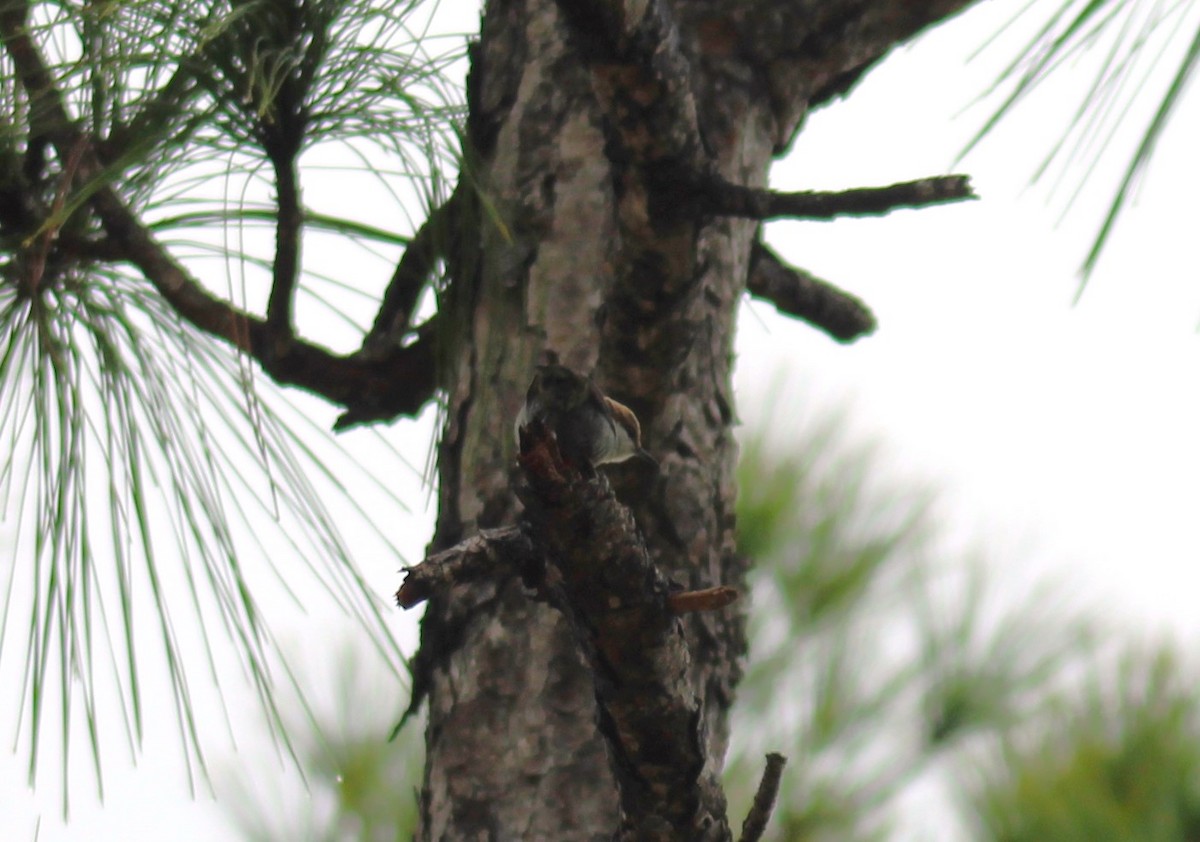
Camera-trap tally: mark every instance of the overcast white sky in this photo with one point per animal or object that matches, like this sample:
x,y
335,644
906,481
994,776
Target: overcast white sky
x,y
1065,436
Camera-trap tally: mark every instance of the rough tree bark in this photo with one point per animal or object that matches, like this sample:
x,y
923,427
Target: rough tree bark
x,y
608,214
604,135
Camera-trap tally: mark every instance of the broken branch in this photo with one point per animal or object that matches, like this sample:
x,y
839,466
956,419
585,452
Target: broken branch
x,y
764,799
795,292
488,554
708,599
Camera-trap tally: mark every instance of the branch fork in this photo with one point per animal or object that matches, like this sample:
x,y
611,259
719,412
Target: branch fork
x,y
388,381
643,79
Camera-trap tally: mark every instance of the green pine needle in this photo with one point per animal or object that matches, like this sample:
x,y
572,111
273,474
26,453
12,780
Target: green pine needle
x,y
154,482
1132,37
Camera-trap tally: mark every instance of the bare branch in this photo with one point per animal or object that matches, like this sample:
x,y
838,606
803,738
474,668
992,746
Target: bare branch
x,y
725,199
764,799
493,553
795,292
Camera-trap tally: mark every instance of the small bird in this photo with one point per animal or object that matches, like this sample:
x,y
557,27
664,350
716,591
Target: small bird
x,y
591,428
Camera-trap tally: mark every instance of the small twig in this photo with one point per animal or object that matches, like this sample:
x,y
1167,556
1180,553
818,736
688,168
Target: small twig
x,y
764,800
709,599
720,197
490,553
795,292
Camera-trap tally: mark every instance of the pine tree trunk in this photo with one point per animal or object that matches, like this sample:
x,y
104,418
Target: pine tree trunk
x,y
582,234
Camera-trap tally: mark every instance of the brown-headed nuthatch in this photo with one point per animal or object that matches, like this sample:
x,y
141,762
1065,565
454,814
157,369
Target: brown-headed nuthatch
x,y
590,428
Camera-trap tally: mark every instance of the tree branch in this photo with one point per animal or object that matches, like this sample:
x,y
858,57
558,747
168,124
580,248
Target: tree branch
x,y
725,199
618,603
764,799
282,134
416,265
644,80
286,267
493,553
797,293
400,383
